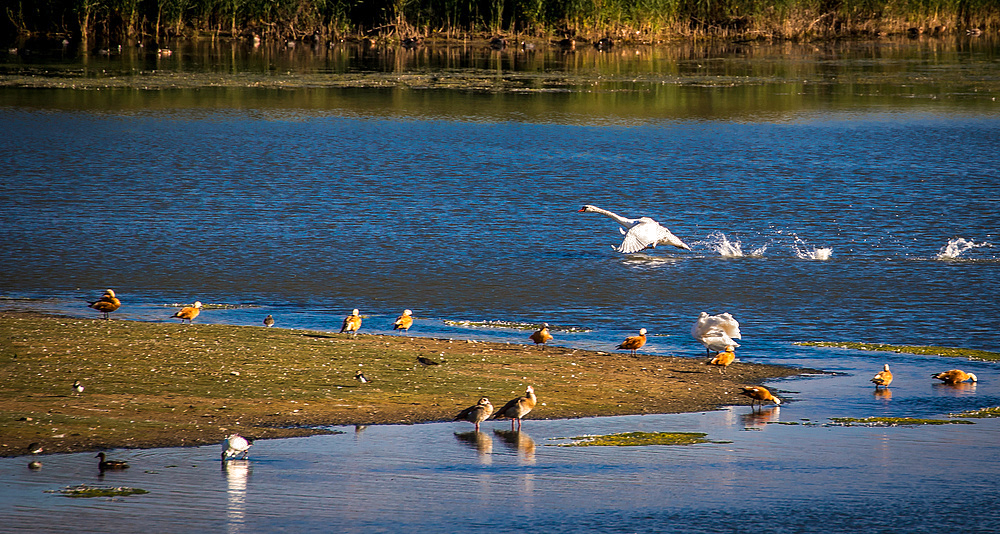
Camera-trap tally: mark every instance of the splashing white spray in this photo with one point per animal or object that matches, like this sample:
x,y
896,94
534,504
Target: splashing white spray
x,y
718,242
804,252
956,247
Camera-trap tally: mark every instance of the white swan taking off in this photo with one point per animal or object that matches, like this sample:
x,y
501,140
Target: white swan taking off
x,y
640,234
716,332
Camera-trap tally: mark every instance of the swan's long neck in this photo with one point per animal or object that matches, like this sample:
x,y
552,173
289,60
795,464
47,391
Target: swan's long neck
x,y
627,223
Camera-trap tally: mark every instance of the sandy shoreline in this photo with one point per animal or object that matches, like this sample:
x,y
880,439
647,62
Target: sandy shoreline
x,y
161,385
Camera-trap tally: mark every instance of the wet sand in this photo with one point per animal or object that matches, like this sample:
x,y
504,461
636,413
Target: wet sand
x,y
161,384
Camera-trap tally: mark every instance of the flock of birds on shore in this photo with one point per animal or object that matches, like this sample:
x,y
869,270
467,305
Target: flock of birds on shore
x,y
717,333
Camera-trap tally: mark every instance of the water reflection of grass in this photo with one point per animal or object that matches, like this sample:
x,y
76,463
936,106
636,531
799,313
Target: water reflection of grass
x,y
636,439
895,421
949,352
89,491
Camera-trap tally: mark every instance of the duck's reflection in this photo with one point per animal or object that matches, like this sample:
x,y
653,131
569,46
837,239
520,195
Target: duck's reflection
x,y
518,441
883,394
760,419
237,472
961,388
481,441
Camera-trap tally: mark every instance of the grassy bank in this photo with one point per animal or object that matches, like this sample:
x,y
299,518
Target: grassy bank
x,y
584,20
158,384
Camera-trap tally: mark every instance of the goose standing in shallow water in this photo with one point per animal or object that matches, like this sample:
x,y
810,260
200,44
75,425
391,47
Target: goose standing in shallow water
x,y
541,336
883,378
234,445
634,343
188,313
640,234
404,322
352,323
517,408
476,414
716,332
107,303
104,464
955,376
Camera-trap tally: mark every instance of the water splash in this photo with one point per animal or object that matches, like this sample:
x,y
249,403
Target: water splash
x,y
718,242
805,252
956,247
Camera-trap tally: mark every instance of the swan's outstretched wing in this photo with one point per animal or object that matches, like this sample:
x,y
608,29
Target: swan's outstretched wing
x,y
647,233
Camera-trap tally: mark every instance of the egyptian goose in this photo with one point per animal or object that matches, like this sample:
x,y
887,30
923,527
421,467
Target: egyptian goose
x,y
404,322
188,313
883,378
107,303
716,332
234,445
517,408
542,336
724,359
642,233
104,464
360,377
955,376
634,343
77,387
269,321
352,323
759,394
476,414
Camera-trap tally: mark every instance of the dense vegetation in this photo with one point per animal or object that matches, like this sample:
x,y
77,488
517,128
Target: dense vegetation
x,y
640,20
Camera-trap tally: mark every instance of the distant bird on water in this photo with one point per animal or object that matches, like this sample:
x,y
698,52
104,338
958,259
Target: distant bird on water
x,y
634,343
955,376
360,377
188,313
104,464
541,336
724,359
716,332
352,323
476,414
77,387
404,322
235,445
107,303
517,408
640,234
883,378
759,394
269,321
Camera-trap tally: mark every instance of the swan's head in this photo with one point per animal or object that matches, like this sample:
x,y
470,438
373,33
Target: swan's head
x,y
642,331
197,304
586,208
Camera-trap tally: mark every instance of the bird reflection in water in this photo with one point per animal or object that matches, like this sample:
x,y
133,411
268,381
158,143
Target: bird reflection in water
x,y
518,441
955,390
480,441
237,472
760,419
883,394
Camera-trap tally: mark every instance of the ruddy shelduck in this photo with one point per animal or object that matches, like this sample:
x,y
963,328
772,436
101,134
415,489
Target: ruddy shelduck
x,y
106,304
724,359
352,323
188,313
759,395
476,414
404,322
955,376
634,343
517,408
541,336
883,378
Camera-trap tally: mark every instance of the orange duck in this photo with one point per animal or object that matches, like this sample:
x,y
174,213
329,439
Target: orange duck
x,y
634,343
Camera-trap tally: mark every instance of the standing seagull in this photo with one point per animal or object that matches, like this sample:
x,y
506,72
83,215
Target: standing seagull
x,y
517,408
269,321
542,336
954,376
716,332
642,233
883,378
404,322
476,414
634,343
352,323
188,313
235,445
107,303
759,394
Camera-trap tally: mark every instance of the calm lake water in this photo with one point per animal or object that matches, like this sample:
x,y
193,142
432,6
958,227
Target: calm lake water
x,y
845,192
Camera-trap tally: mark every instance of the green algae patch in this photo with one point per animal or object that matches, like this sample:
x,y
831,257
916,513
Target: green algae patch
x,y
895,421
85,491
982,413
638,439
948,352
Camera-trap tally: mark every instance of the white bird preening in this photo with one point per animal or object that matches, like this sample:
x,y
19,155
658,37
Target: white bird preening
x,y
716,332
640,234
235,445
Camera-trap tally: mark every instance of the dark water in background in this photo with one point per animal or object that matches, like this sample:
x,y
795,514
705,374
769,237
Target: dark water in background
x,y
848,195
